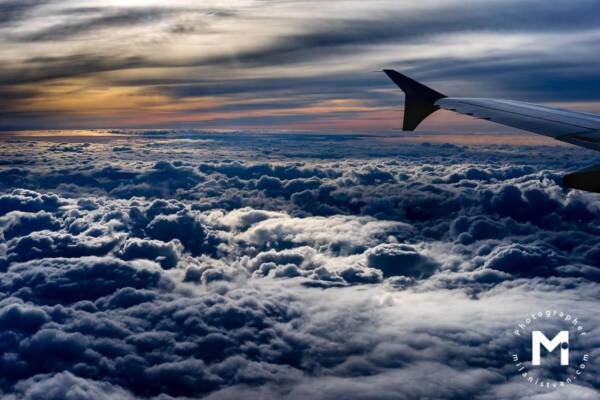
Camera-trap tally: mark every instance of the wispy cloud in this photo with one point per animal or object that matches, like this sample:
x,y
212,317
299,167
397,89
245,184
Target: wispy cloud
x,y
253,52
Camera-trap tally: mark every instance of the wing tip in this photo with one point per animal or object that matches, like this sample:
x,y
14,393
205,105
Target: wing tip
x,y
420,99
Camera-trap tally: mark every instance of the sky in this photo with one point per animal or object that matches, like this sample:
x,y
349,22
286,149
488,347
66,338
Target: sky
x,y
265,232
297,65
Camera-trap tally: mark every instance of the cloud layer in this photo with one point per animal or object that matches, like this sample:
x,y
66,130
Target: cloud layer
x,y
175,272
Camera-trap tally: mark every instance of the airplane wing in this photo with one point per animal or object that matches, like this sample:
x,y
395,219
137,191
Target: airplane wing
x,y
573,127
578,128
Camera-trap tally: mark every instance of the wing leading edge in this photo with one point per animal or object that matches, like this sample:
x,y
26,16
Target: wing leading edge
x,y
578,128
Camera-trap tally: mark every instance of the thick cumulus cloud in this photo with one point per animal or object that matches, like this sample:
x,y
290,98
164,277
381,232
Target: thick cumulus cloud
x,y
308,267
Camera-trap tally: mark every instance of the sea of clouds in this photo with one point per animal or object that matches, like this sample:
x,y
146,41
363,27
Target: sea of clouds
x,y
287,266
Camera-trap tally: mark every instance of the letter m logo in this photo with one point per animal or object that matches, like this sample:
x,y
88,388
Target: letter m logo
x,y
538,339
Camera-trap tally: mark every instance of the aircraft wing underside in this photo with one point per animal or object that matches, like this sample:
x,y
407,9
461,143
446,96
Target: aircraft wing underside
x,y
573,127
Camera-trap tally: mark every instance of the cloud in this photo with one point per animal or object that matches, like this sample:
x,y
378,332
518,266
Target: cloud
x,y
98,19
22,317
18,223
66,385
14,10
70,280
24,200
341,235
522,260
403,26
183,227
399,259
166,254
43,68
260,77
228,279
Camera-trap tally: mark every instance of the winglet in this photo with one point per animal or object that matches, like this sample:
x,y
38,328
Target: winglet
x,y
420,100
